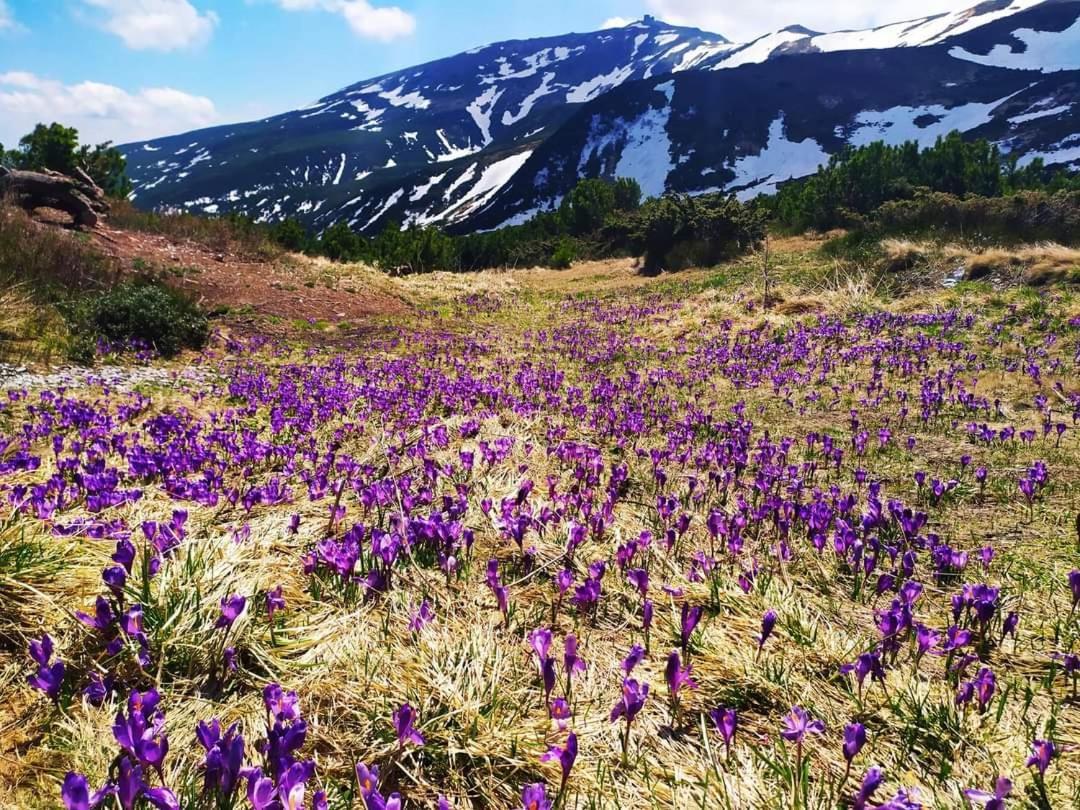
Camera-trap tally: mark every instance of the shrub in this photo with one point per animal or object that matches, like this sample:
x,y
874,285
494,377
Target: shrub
x,y
677,231
140,311
564,255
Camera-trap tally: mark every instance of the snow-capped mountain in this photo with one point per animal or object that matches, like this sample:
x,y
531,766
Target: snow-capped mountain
x,y
493,135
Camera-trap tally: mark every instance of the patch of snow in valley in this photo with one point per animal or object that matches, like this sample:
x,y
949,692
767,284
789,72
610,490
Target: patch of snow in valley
x,y
493,178
647,154
1045,112
587,91
422,190
481,111
453,152
545,89
341,169
899,124
462,179
391,201
781,159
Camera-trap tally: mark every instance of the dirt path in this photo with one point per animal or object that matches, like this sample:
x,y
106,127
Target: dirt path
x,y
283,289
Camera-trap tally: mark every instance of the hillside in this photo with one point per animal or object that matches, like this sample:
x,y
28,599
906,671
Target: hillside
x,y
488,136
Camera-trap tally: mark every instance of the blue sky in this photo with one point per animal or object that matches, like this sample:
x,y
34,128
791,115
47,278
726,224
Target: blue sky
x,y
130,69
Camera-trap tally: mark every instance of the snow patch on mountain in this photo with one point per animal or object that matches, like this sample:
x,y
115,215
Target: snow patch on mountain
x,y
781,159
492,178
587,91
1046,51
923,125
481,111
545,89
646,155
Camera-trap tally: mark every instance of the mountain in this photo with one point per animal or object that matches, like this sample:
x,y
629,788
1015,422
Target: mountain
x,y
493,135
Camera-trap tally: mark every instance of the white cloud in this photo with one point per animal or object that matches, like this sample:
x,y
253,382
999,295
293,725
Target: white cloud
x,y
615,22
158,25
7,19
744,20
100,112
381,23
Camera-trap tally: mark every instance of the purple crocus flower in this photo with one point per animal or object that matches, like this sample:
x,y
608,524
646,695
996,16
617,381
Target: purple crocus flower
x,y
560,712
639,578
1043,753
768,622
50,676
534,797
797,724
854,740
274,601
571,662
689,618
870,783
422,617
726,722
367,779
76,793
633,699
565,756
404,720
995,800
1074,586
633,658
231,608
677,676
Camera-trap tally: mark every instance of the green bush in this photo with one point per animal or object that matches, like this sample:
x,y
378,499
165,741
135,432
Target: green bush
x,y
678,231
143,311
564,255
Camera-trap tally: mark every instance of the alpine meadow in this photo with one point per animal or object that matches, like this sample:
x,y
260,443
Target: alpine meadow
x,y
613,420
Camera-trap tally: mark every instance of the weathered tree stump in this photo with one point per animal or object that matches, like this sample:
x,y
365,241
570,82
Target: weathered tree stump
x,y
78,196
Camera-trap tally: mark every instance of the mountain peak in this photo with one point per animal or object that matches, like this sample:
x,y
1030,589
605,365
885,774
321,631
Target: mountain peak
x,y
473,134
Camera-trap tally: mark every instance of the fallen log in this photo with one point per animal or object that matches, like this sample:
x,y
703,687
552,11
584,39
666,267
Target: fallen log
x,y
80,198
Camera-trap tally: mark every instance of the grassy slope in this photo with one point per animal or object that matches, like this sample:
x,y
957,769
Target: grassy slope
x,y
472,679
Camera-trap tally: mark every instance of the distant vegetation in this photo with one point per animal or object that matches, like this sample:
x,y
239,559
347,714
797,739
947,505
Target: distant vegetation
x,y
599,219
857,182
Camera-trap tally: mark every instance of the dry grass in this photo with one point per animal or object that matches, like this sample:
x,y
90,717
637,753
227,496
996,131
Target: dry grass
x,y
1036,265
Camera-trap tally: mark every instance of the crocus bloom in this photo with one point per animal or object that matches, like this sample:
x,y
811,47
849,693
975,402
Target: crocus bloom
x,y
367,778
726,722
571,662
678,676
632,701
231,608
995,800
50,676
768,622
534,797
76,793
560,712
565,756
404,718
690,616
1042,753
854,740
1074,586
633,658
797,724
274,601
870,783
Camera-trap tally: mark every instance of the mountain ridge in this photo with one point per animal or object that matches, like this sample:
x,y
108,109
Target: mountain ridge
x,y
456,141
